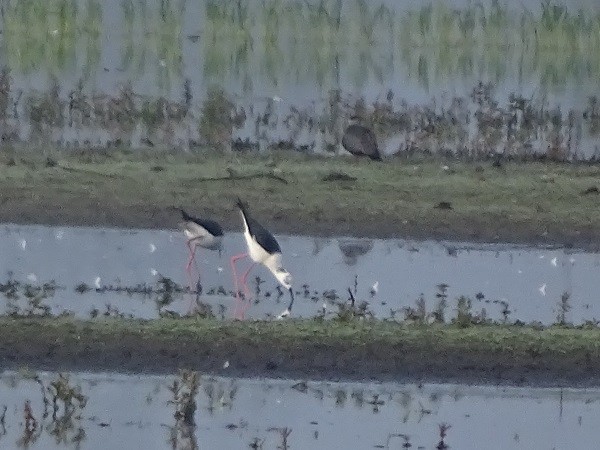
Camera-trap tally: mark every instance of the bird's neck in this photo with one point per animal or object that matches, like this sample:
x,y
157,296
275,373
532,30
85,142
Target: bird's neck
x,y
273,263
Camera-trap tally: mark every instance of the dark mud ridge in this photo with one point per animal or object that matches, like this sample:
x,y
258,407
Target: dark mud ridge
x,y
307,349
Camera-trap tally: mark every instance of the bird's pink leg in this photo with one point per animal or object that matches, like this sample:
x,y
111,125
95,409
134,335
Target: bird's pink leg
x,y
192,258
237,314
193,294
188,268
247,294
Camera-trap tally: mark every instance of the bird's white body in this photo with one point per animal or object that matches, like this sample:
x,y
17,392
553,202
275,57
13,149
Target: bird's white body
x,y
263,249
259,254
199,236
272,261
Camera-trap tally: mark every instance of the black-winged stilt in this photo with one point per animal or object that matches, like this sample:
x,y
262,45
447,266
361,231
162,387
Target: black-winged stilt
x,y
263,249
360,140
203,233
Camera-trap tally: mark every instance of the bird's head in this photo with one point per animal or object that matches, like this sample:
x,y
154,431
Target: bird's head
x,y
284,277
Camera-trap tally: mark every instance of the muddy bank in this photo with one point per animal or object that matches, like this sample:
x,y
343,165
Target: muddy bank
x,y
522,203
307,349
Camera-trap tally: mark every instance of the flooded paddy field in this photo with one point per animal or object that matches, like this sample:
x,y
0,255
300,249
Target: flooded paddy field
x,y
487,114
451,77
88,298
97,411
94,271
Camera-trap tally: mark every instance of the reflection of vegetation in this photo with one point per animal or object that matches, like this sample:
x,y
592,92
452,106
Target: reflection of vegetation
x,y
67,403
311,41
474,126
165,40
184,391
43,34
227,41
151,40
216,122
62,35
439,41
300,40
33,294
92,24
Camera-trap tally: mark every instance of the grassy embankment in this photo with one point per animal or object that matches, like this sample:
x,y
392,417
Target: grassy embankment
x,y
308,348
525,202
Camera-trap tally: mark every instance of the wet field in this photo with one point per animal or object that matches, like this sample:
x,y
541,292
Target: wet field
x,y
94,271
118,411
461,78
472,81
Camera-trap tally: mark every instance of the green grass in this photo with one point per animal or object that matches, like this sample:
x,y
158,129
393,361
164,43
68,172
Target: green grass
x,y
518,202
518,340
302,348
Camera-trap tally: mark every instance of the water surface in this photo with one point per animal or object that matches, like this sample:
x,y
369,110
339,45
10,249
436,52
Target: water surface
x,y
91,73
135,412
529,280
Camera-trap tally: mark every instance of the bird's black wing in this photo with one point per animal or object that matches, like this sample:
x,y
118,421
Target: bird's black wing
x,y
351,141
209,225
360,140
263,237
370,144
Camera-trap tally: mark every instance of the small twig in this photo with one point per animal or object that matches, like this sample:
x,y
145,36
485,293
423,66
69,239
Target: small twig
x,y
244,177
87,172
284,432
3,416
351,297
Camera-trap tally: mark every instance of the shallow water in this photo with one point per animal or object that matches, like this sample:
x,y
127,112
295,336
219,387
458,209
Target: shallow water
x,y
279,61
181,45
134,412
531,280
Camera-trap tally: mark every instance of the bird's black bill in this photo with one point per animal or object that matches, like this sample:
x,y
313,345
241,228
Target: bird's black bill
x,y
291,300
240,204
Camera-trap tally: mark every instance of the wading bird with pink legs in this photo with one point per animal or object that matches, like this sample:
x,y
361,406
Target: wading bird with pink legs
x,y
204,233
263,249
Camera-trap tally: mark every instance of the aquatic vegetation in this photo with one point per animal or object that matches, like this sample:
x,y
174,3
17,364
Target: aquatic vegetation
x,y
216,122
464,317
476,127
418,314
184,391
444,427
64,423
405,438
564,306
34,295
481,36
439,313
41,34
275,35
336,41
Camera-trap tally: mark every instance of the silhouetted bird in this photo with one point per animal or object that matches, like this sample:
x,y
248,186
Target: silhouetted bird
x,y
360,140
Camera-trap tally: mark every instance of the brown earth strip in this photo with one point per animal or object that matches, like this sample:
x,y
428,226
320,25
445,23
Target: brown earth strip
x,y
307,349
541,203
